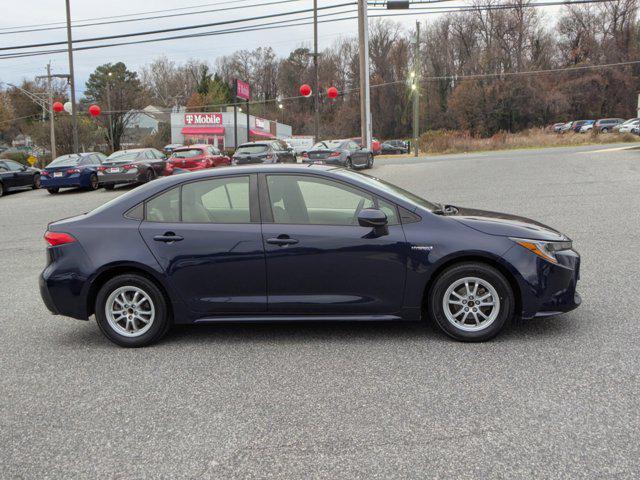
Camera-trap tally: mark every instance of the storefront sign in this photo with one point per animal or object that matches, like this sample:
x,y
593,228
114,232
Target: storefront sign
x,y
262,124
203,119
243,90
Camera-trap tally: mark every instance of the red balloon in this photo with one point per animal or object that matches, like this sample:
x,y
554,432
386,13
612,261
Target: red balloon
x,y
305,90
94,110
58,107
332,92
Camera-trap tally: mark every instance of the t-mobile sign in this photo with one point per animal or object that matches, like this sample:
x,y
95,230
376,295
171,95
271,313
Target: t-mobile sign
x,y
203,119
243,90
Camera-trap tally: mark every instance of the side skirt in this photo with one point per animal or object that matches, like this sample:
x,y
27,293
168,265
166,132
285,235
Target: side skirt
x,y
299,318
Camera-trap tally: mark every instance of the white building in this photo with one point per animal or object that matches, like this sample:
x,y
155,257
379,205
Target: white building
x,y
217,128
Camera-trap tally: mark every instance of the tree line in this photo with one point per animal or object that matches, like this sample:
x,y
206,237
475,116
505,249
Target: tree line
x,y
483,70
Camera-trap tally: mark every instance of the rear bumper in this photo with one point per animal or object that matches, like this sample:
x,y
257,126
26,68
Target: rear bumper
x,y
114,178
74,181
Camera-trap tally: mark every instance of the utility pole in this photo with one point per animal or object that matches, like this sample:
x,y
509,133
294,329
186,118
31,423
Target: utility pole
x,y
365,97
316,87
72,81
415,88
52,130
111,140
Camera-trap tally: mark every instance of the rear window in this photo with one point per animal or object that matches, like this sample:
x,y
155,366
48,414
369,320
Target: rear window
x,y
192,152
124,157
252,149
65,161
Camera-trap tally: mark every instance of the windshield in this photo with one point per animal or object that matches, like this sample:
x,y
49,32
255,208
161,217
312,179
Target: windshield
x,y
70,160
122,157
390,188
629,122
251,149
328,145
192,152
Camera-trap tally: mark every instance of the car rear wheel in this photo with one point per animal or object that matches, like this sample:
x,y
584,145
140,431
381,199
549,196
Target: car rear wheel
x,y
93,182
604,130
349,164
131,311
150,175
53,191
1,189
36,182
369,162
471,302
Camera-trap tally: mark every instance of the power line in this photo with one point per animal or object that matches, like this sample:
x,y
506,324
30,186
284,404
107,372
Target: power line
x,y
292,23
157,17
227,2
176,29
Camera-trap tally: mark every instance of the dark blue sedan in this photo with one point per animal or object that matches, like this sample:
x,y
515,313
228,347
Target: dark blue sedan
x,y
299,243
73,170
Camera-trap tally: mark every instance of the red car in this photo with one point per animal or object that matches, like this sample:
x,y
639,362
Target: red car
x,y
376,147
197,157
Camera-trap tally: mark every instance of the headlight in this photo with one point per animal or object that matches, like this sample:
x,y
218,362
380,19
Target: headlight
x,y
546,250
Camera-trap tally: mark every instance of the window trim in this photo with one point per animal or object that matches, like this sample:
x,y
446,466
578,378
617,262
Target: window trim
x,y
254,210
265,200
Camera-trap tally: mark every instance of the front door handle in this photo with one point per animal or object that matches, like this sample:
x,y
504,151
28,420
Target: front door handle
x,y
168,237
282,240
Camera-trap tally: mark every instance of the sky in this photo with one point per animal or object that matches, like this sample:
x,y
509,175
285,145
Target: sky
x,y
282,40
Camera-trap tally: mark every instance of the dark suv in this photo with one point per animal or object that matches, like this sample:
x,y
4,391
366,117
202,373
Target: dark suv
x,y
270,151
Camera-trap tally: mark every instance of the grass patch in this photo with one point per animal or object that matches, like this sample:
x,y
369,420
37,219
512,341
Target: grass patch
x,y
451,141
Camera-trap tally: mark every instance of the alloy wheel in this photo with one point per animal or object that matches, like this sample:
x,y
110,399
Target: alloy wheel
x,y
130,311
94,182
36,182
471,304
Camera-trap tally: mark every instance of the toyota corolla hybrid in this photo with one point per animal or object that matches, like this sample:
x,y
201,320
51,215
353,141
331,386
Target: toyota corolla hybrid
x,y
300,243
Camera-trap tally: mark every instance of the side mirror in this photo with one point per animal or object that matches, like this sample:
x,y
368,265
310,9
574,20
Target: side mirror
x,y
372,218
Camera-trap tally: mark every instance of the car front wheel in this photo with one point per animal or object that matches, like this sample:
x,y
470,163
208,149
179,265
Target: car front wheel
x,y
131,311
471,302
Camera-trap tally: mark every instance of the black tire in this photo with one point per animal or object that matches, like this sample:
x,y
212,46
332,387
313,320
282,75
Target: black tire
x,y
161,322
369,162
485,273
604,130
349,164
94,183
36,182
1,189
109,186
53,191
150,176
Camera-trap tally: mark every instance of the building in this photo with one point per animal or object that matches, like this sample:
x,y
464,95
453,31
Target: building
x,y
143,123
217,128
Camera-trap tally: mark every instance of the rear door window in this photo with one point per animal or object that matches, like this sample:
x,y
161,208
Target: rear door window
x,y
221,200
164,207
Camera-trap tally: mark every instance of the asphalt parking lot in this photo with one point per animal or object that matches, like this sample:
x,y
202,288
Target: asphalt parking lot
x,y
550,398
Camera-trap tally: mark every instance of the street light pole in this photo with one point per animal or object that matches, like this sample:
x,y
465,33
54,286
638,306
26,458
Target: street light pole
x,y
415,90
52,128
365,94
72,81
316,87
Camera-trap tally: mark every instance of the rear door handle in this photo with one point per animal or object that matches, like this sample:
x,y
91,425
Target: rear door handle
x,y
168,237
282,240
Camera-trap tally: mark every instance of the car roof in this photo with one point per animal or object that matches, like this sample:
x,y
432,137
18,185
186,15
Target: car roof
x,y
195,145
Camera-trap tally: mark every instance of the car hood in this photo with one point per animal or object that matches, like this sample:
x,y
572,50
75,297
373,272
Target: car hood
x,y
504,224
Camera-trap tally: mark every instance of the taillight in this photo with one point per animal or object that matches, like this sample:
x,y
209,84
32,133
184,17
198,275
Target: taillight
x,y
45,173
102,169
305,155
334,154
268,156
129,167
71,171
58,238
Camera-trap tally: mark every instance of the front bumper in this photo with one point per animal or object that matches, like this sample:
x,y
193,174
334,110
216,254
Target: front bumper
x,y
546,288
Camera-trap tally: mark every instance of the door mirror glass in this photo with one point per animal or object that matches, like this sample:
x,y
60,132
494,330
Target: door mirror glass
x,y
372,218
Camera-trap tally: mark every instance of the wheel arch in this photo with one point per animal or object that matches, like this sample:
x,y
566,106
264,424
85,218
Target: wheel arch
x,y
123,269
490,261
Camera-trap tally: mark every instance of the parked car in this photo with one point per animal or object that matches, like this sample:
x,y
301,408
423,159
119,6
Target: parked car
x,y
376,146
627,126
300,144
396,148
566,127
271,151
587,126
229,245
557,127
345,153
168,149
73,170
577,125
198,157
15,176
605,125
139,165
